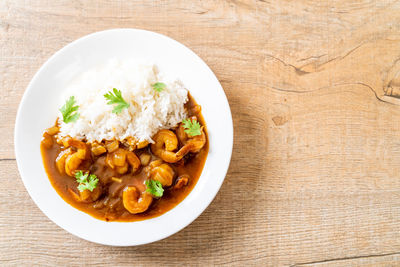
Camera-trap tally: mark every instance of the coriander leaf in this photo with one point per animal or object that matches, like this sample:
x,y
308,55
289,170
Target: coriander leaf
x,y
81,187
192,127
69,111
154,187
92,183
158,87
81,177
116,98
85,183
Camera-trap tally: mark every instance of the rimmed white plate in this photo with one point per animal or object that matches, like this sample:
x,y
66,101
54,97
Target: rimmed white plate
x,y
38,111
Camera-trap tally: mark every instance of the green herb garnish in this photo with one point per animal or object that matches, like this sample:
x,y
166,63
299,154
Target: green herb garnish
x,y
116,98
86,181
192,127
154,187
69,111
158,87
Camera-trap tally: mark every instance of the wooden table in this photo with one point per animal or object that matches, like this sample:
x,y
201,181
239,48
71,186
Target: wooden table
x,y
314,90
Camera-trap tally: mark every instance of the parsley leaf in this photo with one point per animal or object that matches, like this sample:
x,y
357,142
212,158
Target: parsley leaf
x,y
81,177
154,187
116,98
68,111
86,181
158,87
192,127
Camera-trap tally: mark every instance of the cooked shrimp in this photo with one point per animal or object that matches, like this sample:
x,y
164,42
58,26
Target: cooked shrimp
x,y
181,134
60,160
164,174
197,142
72,163
120,158
134,201
133,160
165,143
82,149
70,160
155,163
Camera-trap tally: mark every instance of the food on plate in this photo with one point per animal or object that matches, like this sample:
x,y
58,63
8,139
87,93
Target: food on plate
x,y
129,143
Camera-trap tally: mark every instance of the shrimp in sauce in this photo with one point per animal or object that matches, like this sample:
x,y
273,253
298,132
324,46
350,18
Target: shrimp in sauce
x,y
120,193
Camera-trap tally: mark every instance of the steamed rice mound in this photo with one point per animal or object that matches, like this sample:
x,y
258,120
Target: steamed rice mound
x,y
149,111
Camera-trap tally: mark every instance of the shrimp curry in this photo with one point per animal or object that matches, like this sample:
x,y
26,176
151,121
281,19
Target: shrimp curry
x,y
128,180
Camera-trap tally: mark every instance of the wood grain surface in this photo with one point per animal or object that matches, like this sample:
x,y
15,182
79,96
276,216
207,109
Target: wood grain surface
x,y
314,88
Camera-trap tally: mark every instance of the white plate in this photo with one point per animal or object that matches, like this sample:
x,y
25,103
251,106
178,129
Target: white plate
x,y
38,110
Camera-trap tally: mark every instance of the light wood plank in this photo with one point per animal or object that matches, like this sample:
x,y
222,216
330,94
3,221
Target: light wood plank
x,y
312,85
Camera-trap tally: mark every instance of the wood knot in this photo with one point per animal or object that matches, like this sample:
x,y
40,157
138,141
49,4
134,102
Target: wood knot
x,y
391,85
279,120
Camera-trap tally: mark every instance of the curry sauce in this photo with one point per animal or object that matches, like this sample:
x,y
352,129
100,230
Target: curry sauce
x,y
108,205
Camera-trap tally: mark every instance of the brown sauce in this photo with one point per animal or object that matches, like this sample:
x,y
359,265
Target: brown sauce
x,y
109,206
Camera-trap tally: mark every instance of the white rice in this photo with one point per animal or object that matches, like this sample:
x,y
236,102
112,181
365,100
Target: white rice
x,y
148,112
